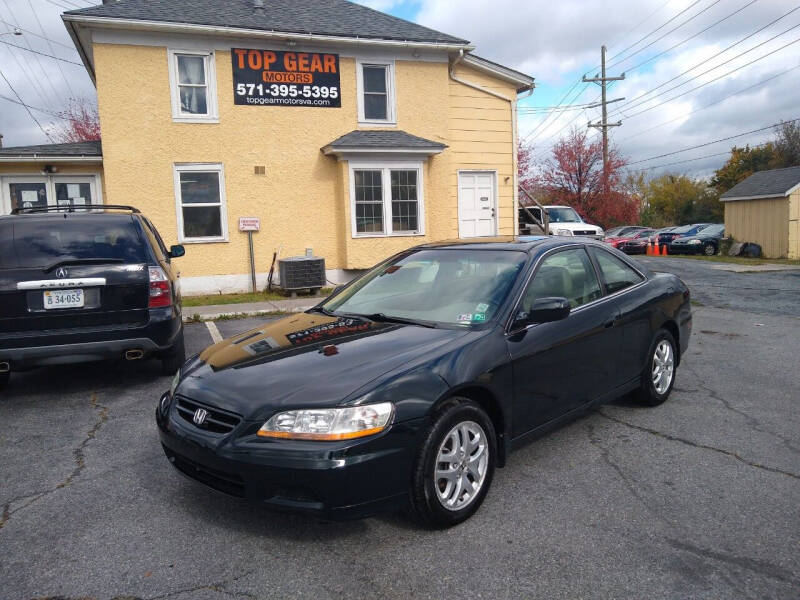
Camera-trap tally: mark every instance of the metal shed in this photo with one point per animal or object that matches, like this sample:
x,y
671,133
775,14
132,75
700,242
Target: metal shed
x,y
765,209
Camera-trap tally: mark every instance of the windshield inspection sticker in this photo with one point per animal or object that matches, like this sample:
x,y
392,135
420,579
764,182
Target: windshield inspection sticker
x,y
465,317
479,317
481,308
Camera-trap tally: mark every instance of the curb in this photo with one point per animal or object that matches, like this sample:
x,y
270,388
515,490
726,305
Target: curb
x,y
242,314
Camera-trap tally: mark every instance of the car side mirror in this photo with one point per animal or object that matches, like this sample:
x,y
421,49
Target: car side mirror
x,y
547,310
176,251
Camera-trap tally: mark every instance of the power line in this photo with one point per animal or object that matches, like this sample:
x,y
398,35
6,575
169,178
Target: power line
x,y
749,87
730,137
36,108
638,98
707,82
29,32
35,120
72,62
691,37
52,50
622,60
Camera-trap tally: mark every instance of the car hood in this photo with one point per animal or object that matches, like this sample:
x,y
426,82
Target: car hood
x,y
575,227
305,360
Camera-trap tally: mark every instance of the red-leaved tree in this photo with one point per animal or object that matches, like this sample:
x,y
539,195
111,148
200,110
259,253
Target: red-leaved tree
x,y
80,123
573,175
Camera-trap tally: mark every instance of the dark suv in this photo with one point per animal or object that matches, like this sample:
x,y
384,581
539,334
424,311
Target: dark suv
x,y
84,284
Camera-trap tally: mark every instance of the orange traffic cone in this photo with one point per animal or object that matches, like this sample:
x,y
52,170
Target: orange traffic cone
x,y
649,250
663,250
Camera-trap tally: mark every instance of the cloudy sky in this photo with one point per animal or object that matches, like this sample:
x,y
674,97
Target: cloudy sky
x,y
688,81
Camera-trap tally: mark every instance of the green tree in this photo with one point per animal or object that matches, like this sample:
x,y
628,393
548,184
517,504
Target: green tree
x,y
678,200
742,163
787,144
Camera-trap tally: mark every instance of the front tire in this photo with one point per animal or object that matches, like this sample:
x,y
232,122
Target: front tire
x,y
709,250
658,376
455,465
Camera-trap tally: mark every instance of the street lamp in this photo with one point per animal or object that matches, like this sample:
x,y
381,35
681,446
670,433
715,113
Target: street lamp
x,y
16,31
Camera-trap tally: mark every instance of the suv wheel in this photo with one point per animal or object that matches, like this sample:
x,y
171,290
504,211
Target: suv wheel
x,y
454,466
174,358
658,376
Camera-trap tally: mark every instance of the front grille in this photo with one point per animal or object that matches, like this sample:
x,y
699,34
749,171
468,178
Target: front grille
x,y
216,421
584,232
229,483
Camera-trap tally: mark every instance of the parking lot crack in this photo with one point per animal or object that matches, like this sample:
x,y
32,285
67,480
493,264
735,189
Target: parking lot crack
x,y
79,458
674,438
753,422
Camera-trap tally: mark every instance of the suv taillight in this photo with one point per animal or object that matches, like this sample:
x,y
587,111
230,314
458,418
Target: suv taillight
x,y
160,292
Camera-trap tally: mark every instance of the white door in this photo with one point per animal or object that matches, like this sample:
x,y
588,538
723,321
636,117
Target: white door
x,y
477,205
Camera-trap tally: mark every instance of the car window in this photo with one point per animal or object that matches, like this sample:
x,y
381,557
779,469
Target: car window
x,y
448,286
566,274
616,274
155,239
42,242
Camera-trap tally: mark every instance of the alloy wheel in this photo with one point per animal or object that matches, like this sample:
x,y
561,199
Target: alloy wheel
x,y
461,465
709,250
663,366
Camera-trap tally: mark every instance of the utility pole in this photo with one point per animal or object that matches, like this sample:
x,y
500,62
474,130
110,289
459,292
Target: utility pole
x,y
601,80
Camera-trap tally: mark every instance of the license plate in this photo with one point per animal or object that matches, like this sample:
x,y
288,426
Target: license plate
x,y
63,299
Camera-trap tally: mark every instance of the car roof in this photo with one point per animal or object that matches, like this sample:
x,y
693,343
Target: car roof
x,y
519,243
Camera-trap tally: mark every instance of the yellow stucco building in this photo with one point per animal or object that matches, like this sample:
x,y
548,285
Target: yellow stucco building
x,y
344,130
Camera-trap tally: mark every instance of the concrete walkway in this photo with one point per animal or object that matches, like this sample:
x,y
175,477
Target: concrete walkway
x,y
216,311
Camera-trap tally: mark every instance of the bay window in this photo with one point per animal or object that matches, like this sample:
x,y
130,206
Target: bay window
x,y
386,199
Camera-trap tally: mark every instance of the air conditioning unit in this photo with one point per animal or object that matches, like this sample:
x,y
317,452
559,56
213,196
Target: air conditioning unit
x,y
302,272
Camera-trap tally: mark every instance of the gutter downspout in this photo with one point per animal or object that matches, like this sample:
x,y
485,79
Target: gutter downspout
x,y
514,132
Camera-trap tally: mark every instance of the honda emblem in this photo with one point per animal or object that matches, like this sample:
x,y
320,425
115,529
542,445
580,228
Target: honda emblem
x,y
200,416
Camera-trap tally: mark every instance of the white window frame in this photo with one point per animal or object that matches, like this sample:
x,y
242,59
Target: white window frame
x,y
391,100
386,181
179,168
49,181
211,86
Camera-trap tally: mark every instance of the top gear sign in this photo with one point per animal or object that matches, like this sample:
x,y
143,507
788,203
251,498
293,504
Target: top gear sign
x,y
276,77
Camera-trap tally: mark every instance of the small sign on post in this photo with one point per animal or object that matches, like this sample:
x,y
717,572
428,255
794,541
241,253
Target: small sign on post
x,y
249,225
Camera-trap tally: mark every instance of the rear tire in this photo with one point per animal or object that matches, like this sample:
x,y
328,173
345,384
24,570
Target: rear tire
x,y
658,376
454,465
4,377
175,357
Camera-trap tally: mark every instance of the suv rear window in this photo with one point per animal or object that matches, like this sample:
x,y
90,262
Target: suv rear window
x,y
43,242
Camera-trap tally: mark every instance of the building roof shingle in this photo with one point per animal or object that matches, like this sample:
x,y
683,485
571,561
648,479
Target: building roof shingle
x,y
383,139
764,184
72,149
319,17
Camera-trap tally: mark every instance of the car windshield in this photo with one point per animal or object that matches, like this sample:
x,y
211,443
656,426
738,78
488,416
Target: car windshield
x,y
683,229
563,215
44,242
433,286
714,230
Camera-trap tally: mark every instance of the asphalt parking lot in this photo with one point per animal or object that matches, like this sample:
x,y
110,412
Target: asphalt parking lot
x,y
697,498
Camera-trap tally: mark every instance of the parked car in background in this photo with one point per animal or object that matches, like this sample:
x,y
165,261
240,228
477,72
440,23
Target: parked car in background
x,y
564,220
408,386
91,283
639,242
665,237
615,242
705,242
622,230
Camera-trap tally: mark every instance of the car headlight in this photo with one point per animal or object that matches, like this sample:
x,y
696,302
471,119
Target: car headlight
x,y
175,380
329,424
563,232
694,242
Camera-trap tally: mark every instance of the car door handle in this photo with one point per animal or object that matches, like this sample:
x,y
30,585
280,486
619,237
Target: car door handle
x,y
611,322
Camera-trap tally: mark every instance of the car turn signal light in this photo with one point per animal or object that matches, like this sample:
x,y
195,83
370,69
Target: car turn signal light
x,y
160,291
